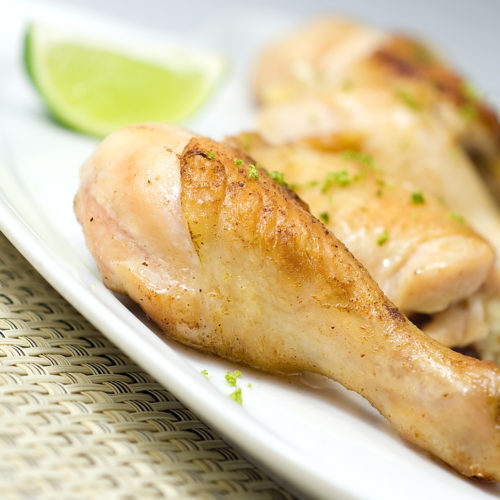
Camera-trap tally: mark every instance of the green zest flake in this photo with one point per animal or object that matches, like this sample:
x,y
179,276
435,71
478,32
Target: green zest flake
x,y
408,99
204,372
253,171
328,183
423,54
245,141
383,238
469,91
379,193
237,161
210,154
347,85
279,177
417,198
312,183
232,378
236,396
468,110
249,385
341,178
455,216
359,176
364,158
324,216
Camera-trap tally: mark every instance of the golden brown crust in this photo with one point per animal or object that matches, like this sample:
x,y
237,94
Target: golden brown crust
x,y
260,210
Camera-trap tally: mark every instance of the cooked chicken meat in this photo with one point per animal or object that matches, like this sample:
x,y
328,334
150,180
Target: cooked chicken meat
x,y
408,147
459,325
316,57
198,236
423,260
417,118
337,54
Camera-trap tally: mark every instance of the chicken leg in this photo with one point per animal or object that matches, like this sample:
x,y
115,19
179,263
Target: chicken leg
x,y
225,259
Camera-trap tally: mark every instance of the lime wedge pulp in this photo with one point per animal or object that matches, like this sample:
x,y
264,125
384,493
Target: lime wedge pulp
x,y
97,89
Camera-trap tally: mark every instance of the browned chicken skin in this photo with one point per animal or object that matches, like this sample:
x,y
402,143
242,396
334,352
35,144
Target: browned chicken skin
x,y
225,259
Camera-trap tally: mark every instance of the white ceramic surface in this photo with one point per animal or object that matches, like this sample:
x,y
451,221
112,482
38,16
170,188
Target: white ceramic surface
x,y
316,436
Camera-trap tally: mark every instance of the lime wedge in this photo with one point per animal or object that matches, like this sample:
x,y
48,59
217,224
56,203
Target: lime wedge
x,y
96,89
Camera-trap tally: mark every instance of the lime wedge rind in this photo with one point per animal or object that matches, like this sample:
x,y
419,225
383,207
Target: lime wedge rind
x,y
165,82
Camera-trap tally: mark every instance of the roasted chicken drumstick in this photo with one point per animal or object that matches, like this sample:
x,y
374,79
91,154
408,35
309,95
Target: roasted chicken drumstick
x,y
225,259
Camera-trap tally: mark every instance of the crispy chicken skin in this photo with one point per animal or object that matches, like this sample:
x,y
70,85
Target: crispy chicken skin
x,y
425,262
237,266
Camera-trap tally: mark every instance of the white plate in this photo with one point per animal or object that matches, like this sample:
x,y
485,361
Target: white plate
x,y
320,438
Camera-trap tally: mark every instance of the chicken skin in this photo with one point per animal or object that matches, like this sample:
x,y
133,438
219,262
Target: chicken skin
x,y
420,121
198,236
415,116
423,260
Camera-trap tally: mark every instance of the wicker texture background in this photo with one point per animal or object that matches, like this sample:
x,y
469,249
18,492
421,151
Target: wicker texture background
x,y
78,419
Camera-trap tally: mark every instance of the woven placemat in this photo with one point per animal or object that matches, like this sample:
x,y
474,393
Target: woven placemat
x,y
78,419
